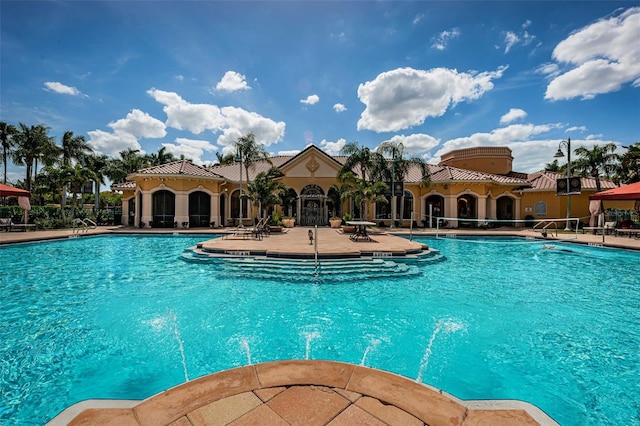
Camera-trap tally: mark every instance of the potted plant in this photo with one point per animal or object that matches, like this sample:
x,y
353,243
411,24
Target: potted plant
x,y
335,222
348,229
288,222
275,223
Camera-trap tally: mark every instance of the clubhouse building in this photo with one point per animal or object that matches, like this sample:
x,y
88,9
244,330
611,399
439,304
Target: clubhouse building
x,y
471,183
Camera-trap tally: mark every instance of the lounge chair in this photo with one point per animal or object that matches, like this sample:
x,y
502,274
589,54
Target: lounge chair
x,y
8,225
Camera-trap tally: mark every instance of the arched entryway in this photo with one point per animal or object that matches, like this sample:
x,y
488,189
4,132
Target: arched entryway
x,y
467,209
505,210
434,208
164,208
313,206
199,209
235,206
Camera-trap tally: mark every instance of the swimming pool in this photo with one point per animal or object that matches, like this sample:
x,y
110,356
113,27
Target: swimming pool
x,y
125,317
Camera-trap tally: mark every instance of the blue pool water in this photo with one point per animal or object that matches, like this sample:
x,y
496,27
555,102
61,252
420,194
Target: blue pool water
x,y
126,317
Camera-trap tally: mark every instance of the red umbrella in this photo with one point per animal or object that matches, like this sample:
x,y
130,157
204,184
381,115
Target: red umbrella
x,y
10,191
627,192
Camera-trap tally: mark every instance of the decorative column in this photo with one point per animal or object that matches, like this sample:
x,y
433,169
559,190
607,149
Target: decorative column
x,y
181,214
215,210
147,208
451,207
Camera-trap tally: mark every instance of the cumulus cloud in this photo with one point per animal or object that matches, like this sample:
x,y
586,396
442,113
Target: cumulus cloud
x,y
339,108
502,136
602,56
512,115
239,122
510,39
139,124
54,86
441,40
112,143
310,100
332,148
416,143
232,81
191,148
290,152
405,97
183,115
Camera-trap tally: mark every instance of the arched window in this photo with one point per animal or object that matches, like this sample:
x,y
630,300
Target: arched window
x,y
235,205
435,205
407,207
199,209
164,207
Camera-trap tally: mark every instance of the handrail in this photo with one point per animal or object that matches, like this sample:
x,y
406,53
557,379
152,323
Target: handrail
x,y
84,225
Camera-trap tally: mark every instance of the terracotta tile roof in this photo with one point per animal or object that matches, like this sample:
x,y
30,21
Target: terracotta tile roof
x,y
441,173
123,186
545,180
182,167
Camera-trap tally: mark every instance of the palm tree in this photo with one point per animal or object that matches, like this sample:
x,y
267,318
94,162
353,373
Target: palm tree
x,y
7,131
286,199
76,177
361,158
628,170
249,152
555,167
130,161
162,157
398,168
74,150
264,190
225,160
99,164
33,143
596,161
363,192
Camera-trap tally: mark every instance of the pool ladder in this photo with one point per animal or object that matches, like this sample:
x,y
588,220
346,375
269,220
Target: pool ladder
x,y
82,225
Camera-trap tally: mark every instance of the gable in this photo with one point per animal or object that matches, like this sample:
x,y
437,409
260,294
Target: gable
x,y
311,163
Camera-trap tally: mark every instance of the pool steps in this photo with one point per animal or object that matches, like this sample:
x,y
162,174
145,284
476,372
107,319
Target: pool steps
x,y
244,265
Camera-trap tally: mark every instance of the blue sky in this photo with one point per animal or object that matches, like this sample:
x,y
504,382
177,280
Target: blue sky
x,y
194,76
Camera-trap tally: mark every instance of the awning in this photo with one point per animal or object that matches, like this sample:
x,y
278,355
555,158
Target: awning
x,y
10,191
626,192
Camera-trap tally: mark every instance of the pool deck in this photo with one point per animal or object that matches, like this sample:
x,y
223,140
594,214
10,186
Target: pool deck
x,y
303,392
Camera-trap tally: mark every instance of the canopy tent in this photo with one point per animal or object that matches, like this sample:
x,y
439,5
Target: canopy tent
x,y
10,191
627,192
23,198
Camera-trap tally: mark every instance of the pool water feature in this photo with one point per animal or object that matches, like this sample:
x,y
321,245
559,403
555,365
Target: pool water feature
x,y
126,317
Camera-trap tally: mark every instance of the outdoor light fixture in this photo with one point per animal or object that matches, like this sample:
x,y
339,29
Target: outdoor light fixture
x,y
559,154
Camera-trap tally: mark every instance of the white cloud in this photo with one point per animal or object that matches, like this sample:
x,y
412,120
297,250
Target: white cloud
x,y
604,56
416,143
510,40
139,124
183,115
332,148
405,97
551,70
441,40
526,24
516,137
512,115
576,129
54,86
290,152
192,149
310,100
112,143
418,19
339,108
232,81
179,77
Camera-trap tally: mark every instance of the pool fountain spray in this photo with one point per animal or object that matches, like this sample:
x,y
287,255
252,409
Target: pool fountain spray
x,y
372,346
446,327
309,337
176,332
244,342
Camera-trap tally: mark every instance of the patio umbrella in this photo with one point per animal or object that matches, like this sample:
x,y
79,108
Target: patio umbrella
x,y
23,198
10,191
626,192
